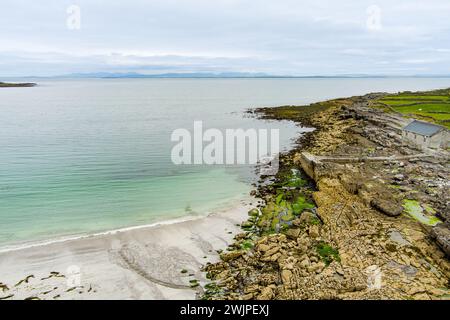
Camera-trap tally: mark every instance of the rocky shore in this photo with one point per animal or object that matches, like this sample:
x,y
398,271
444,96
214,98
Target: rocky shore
x,y
354,212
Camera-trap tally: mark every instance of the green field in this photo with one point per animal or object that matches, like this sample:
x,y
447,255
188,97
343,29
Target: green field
x,y
433,106
419,97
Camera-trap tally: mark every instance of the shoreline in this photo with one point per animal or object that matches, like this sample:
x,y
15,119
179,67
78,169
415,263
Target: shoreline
x,y
62,239
158,261
294,246
230,205
329,241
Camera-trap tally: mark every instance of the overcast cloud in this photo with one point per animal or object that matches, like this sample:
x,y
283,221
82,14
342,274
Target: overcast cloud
x,y
285,37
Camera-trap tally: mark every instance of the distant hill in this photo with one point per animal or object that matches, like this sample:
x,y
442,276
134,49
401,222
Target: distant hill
x,y
208,75
135,75
171,75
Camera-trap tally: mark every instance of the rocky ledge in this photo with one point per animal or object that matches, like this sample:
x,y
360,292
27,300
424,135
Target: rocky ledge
x,y
353,213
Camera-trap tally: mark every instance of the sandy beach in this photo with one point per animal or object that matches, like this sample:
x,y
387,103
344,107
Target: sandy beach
x,y
155,262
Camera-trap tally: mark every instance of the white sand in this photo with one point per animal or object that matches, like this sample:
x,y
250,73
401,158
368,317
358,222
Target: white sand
x,y
139,263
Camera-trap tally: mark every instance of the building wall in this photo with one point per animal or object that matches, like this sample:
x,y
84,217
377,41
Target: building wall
x,y
439,140
417,139
436,140
445,139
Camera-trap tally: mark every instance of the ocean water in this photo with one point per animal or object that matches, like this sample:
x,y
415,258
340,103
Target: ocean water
x,y
84,156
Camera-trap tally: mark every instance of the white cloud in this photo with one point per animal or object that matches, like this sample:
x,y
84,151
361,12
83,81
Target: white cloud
x,y
275,36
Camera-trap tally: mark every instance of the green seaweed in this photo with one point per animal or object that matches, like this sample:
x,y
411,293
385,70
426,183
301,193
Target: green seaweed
x,y
193,283
301,204
293,180
247,245
287,217
279,198
274,224
211,290
416,211
429,209
277,215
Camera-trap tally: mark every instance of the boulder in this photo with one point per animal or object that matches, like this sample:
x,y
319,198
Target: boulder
x,y
389,208
293,233
272,251
316,267
313,231
263,247
231,255
253,212
247,296
286,276
441,233
305,263
275,257
266,294
306,217
246,224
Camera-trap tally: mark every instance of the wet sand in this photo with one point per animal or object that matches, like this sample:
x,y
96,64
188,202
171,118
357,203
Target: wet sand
x,y
155,262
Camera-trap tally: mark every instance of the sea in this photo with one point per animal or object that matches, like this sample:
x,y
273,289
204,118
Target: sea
x,y
82,156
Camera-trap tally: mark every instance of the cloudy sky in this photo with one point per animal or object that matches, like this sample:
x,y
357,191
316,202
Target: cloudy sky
x,y
284,37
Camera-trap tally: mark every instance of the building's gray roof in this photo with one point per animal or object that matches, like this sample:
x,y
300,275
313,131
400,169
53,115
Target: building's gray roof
x,y
423,128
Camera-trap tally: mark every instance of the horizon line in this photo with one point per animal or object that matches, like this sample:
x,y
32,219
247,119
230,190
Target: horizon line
x,y
211,75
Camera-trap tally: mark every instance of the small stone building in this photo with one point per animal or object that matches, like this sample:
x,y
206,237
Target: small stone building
x,y
426,135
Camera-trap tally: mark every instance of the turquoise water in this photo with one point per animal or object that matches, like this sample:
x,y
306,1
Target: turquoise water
x,y
82,156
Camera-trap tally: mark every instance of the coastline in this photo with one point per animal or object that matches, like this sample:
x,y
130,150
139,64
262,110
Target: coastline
x,y
229,205
296,245
158,261
338,219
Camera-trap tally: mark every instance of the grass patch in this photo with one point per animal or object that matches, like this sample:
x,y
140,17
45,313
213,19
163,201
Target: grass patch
x,y
418,97
327,253
425,107
433,106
